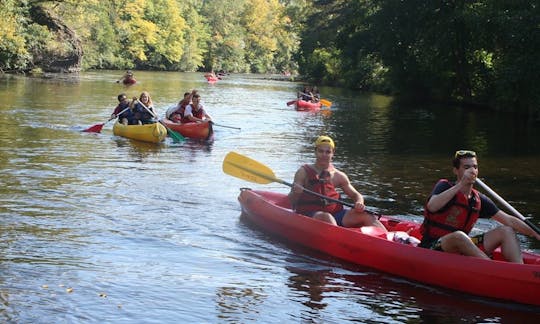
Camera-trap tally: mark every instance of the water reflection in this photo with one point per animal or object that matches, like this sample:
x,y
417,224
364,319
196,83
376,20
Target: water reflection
x,y
138,150
238,303
311,284
395,298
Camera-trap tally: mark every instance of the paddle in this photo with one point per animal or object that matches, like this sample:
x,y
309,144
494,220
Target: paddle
x,y
225,126
97,127
292,102
177,137
326,103
243,167
508,206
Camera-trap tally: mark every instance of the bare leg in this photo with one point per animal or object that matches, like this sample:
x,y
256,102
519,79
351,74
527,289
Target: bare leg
x,y
458,242
505,237
355,219
325,217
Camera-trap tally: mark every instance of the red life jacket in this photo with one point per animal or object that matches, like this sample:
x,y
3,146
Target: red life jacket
x,y
178,114
458,215
197,114
310,203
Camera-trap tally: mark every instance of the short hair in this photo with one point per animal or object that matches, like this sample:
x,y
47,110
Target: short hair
x,y
462,154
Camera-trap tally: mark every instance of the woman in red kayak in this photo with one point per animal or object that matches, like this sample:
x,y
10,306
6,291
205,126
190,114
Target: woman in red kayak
x,y
453,208
323,178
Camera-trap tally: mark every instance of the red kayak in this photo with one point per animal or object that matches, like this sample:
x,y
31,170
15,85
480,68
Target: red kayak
x,y
212,79
395,252
302,105
202,131
129,81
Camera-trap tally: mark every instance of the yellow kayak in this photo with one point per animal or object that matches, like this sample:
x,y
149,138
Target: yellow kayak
x,y
153,133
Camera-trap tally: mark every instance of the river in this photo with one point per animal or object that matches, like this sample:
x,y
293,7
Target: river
x,y
99,228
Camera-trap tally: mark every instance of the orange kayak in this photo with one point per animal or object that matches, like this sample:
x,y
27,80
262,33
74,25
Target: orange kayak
x,y
202,131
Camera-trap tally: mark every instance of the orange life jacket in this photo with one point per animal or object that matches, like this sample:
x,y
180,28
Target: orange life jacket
x,y
308,203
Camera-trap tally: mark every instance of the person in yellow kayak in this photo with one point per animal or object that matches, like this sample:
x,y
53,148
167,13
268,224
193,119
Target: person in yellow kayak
x,y
453,208
143,109
323,178
122,111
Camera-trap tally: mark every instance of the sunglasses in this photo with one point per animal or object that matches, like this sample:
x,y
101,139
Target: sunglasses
x,y
465,153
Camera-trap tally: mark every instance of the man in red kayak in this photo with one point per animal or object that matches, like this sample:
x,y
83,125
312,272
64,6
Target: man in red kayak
x,y
452,210
194,112
323,178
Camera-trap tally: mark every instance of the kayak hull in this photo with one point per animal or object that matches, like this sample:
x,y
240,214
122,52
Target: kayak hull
x,y
302,105
129,81
369,247
211,79
153,133
203,131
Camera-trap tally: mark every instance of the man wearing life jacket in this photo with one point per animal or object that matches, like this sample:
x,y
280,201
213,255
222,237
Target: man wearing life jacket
x,y
121,111
452,209
195,112
323,178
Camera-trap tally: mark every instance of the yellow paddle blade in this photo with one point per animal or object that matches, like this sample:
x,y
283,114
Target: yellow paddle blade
x,y
242,167
326,103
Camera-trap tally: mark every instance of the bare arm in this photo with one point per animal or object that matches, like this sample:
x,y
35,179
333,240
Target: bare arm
x,y
342,181
297,188
517,224
436,202
465,184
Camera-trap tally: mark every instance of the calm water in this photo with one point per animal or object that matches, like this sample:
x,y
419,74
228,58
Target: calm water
x,y
97,228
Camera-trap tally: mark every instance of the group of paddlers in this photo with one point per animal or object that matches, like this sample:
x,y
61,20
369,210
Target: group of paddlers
x,y
141,111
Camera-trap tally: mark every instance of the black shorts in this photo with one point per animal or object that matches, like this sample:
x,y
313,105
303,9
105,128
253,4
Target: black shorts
x,y
478,240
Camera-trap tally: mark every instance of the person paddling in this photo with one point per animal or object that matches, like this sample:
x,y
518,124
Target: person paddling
x,y
127,79
323,178
453,208
122,111
194,112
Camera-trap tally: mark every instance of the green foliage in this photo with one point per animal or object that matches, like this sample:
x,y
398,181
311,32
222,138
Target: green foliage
x,y
187,35
477,52
14,53
480,52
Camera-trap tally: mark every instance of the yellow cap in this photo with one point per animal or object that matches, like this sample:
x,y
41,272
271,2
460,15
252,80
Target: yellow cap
x,y
325,140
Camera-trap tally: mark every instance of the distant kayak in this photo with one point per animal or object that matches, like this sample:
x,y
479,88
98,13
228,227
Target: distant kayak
x,y
302,105
129,81
212,79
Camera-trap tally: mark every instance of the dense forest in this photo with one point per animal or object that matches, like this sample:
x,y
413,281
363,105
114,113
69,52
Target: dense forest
x,y
462,51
